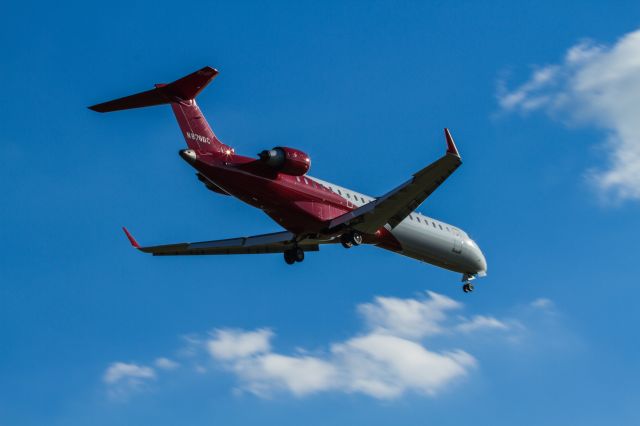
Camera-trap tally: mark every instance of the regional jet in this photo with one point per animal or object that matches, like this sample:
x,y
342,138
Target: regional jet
x,y
312,212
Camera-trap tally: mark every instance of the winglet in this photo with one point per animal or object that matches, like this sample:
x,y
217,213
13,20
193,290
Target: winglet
x,y
451,146
131,239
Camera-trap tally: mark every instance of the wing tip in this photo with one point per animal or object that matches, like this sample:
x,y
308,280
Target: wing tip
x,y
132,240
451,146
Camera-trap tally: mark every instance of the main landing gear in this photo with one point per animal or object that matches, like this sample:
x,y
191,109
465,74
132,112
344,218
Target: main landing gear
x,y
467,287
350,239
293,255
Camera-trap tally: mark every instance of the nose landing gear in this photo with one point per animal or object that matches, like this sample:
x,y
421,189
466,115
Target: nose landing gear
x,y
467,287
293,255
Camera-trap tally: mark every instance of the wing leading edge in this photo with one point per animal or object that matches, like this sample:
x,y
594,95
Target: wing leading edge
x,y
393,207
277,242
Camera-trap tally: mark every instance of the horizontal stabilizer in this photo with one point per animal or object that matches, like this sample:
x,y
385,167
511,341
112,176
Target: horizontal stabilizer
x,y
184,89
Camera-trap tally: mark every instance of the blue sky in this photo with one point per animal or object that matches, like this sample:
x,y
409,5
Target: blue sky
x,y
542,101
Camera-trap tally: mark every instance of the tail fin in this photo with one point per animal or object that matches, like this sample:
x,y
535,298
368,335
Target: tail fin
x,y
181,95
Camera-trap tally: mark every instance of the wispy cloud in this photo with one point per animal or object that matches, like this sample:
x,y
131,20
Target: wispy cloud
x,y
594,85
482,322
542,303
231,344
124,378
166,363
405,345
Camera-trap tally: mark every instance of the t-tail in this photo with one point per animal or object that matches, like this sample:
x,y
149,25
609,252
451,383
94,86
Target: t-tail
x,y
181,95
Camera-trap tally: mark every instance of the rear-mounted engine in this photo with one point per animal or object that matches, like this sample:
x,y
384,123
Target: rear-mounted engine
x,y
286,160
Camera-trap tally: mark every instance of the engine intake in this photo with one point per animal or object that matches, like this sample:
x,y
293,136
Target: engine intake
x,y
286,160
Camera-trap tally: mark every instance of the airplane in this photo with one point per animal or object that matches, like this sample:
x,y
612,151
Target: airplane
x,y
312,212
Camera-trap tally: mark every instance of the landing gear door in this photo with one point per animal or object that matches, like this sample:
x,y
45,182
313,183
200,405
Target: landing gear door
x,y
457,241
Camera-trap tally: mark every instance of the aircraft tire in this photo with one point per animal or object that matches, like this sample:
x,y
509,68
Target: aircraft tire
x,y
356,238
289,257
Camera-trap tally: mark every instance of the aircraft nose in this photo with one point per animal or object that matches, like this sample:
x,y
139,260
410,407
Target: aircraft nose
x,y
476,258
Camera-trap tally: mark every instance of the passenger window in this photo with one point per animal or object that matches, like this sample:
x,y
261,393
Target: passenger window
x,y
362,198
410,217
348,196
339,192
306,181
418,219
440,226
434,224
298,178
447,229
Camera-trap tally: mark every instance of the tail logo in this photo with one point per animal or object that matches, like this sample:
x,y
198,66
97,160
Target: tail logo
x,y
198,138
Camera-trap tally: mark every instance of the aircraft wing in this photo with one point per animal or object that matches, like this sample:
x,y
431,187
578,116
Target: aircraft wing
x,y
396,205
268,243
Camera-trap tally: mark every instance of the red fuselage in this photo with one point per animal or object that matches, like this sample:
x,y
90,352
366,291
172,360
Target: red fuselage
x,y
300,204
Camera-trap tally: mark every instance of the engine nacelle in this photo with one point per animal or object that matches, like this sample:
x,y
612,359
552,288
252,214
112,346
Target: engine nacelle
x,y
286,160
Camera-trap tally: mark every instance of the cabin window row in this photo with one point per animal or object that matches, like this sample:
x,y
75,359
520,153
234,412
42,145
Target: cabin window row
x,y
426,222
330,189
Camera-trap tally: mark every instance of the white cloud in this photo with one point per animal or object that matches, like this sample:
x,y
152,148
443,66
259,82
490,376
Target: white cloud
x,y
299,375
594,85
119,371
166,364
379,365
481,322
542,303
385,366
123,378
385,362
404,347
230,344
408,317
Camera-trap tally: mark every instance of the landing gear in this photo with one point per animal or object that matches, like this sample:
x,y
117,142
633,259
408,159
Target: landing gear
x,y
293,255
350,239
467,287
288,257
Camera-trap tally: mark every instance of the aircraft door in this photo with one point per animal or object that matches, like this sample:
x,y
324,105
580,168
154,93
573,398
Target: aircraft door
x,y
457,241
